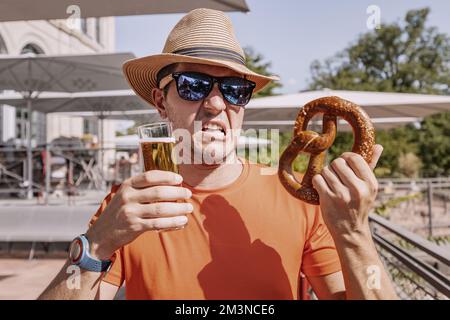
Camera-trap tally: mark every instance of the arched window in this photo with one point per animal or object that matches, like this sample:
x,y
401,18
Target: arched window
x,y
31,48
2,45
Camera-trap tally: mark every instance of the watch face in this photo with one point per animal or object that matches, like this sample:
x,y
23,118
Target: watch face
x,y
75,251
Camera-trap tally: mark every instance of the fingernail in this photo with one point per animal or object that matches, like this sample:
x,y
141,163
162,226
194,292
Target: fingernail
x,y
188,193
178,178
181,220
189,207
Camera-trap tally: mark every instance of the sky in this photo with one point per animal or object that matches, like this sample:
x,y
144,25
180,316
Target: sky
x,y
290,34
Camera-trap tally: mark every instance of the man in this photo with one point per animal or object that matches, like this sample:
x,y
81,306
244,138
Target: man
x,y
247,237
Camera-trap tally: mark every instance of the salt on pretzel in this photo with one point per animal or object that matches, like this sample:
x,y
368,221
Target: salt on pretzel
x,y
316,144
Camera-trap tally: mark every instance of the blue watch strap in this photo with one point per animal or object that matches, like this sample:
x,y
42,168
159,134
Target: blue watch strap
x,y
89,263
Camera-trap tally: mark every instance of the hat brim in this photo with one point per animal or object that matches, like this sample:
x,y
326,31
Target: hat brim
x,y
141,72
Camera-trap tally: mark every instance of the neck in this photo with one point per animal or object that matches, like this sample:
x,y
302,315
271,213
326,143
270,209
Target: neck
x,y
203,176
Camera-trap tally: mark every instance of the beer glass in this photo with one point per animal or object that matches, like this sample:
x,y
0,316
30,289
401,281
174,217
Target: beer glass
x,y
156,145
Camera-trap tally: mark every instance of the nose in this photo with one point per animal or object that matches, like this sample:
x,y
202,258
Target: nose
x,y
214,102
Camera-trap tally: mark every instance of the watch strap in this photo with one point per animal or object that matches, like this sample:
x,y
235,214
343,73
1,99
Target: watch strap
x,y
87,262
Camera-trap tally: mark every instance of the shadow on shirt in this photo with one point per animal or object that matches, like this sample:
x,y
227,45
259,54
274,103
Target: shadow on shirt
x,y
240,269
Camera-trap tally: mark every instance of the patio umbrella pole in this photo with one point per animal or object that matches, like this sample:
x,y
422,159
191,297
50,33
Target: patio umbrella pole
x,y
48,172
29,152
102,175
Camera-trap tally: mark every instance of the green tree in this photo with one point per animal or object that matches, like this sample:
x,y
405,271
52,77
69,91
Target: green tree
x,y
398,57
407,57
434,145
255,62
396,142
409,165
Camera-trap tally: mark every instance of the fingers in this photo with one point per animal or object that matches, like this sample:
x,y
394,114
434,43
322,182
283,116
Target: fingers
x,y
331,179
164,223
361,168
160,194
346,174
320,185
154,178
164,209
377,151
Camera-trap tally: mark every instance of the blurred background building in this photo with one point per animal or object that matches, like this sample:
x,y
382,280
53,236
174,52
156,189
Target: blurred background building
x,y
73,172
53,37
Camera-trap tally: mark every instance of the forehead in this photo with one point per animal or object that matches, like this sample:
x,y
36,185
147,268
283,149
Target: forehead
x,y
208,69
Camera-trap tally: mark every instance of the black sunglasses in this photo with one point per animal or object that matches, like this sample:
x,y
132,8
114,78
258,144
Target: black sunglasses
x,y
195,86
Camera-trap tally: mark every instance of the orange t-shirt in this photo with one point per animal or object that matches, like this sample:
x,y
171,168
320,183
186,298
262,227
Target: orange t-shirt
x,y
248,240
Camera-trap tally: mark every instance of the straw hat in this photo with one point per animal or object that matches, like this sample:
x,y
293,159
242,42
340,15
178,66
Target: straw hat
x,y
202,36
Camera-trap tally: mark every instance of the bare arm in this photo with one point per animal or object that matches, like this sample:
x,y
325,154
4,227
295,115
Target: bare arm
x,y
142,203
72,283
88,286
106,291
347,190
363,272
329,287
362,277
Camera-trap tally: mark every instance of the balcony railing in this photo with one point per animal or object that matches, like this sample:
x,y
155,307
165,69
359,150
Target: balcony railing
x,y
419,268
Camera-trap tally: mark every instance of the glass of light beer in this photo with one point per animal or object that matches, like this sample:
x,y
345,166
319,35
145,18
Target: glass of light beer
x,y
156,144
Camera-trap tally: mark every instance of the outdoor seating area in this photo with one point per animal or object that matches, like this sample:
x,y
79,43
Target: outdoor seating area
x,y
80,86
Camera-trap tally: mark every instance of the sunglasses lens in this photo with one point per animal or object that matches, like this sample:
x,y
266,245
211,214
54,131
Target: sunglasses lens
x,y
193,87
237,91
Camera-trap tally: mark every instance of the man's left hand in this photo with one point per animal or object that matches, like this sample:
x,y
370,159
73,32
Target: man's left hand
x,y
347,189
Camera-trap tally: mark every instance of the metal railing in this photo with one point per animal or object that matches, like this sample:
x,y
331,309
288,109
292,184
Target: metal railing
x,y
422,183
419,268
85,165
434,193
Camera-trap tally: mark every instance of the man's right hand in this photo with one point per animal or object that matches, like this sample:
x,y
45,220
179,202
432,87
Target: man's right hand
x,y
143,203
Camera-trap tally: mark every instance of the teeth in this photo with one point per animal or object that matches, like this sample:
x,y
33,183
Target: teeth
x,y
213,127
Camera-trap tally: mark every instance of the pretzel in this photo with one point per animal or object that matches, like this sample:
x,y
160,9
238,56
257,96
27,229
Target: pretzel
x,y
316,144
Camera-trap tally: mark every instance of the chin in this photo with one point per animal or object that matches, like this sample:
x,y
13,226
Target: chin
x,y
214,153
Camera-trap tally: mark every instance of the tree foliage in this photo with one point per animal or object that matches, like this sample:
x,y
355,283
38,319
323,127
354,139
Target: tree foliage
x,y
434,145
255,62
398,57
407,57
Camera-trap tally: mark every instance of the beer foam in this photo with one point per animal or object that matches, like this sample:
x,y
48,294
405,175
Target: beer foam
x,y
163,140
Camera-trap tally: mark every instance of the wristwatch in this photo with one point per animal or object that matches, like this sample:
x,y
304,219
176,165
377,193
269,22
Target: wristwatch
x,y
79,255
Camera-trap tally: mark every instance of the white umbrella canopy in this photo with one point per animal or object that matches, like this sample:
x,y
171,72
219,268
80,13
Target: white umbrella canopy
x,y
82,103
13,10
386,109
342,125
376,104
32,74
149,115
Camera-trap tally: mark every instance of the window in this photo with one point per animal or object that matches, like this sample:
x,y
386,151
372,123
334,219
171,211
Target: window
x,y
31,48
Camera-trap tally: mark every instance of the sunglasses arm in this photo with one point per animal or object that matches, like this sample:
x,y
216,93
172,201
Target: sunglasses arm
x,y
165,81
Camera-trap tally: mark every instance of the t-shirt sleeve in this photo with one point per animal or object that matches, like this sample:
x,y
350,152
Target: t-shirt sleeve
x,y
115,275
320,257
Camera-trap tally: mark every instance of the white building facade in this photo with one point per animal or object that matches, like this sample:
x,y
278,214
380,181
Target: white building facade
x,y
53,37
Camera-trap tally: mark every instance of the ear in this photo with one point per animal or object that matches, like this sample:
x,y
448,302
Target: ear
x,y
159,99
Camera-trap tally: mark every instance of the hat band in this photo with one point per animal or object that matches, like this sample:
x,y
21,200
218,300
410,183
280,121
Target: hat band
x,y
212,53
